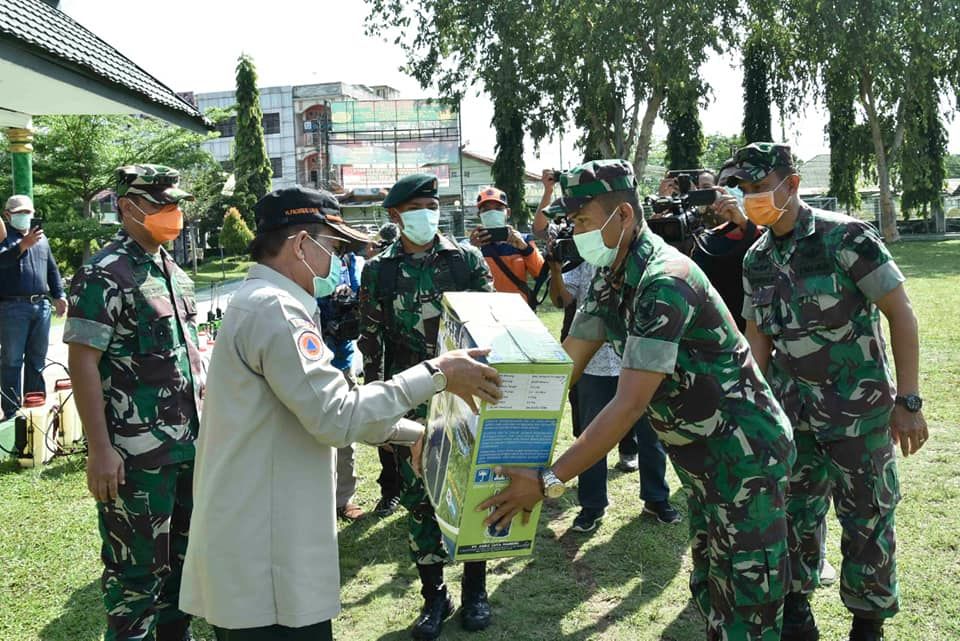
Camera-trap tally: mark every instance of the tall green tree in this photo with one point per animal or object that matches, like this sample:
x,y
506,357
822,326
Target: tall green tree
x,y
251,165
846,151
888,48
685,142
718,148
455,46
922,157
757,123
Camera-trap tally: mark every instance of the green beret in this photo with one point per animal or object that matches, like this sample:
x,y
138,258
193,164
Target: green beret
x,y
410,187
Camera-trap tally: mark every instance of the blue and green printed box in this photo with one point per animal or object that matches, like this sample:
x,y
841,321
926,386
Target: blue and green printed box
x,y
462,449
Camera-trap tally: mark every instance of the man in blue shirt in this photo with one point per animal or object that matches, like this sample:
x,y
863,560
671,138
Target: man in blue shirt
x,y
343,361
28,279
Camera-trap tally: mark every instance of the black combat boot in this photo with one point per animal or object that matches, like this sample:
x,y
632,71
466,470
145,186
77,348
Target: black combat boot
x,y
437,605
175,631
475,608
866,629
798,622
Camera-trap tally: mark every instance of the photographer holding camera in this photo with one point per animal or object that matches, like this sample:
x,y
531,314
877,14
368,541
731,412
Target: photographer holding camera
x,y
510,255
340,320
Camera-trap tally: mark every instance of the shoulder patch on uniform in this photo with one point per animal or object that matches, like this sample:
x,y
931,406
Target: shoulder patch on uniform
x,y
310,345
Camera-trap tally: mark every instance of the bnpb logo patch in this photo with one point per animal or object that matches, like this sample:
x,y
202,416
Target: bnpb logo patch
x,y
310,345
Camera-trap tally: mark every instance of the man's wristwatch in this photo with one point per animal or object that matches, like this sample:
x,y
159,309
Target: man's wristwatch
x,y
438,377
550,486
912,402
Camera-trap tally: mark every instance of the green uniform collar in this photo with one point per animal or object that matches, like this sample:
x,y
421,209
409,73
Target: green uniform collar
x,y
279,280
805,227
136,252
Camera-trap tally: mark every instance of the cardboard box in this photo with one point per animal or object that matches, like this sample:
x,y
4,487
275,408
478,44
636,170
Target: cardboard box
x,y
461,449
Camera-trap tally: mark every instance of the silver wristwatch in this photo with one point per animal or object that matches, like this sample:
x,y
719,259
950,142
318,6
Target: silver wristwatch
x,y
438,377
551,486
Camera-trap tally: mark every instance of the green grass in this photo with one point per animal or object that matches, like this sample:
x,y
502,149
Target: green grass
x,y
216,271
626,582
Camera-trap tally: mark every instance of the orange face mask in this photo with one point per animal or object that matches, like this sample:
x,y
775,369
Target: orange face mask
x,y
761,208
164,225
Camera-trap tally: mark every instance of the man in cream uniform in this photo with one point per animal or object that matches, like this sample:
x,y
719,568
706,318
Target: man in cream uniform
x,y
262,556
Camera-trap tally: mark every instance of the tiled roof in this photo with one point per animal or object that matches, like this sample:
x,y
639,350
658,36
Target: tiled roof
x,y
52,34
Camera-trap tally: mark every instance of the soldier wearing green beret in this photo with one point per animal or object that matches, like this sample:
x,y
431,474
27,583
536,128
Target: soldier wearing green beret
x,y
136,375
400,296
814,287
685,365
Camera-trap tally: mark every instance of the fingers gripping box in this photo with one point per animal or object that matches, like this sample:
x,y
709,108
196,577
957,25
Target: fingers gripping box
x,y
462,449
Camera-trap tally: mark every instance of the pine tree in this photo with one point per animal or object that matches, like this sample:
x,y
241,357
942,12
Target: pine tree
x,y
508,167
756,91
251,164
685,141
235,236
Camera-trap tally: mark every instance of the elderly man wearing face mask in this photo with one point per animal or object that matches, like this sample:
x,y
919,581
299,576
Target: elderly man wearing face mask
x,y
29,279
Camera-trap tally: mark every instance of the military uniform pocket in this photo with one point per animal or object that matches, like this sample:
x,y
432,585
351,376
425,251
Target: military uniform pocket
x,y
155,327
767,310
886,481
819,303
759,576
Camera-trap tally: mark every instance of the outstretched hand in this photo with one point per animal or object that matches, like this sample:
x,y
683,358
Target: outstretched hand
x,y
520,497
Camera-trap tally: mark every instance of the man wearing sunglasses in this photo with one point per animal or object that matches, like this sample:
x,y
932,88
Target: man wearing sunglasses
x,y
262,560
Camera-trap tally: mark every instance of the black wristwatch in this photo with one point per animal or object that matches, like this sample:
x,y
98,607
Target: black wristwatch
x,y
912,402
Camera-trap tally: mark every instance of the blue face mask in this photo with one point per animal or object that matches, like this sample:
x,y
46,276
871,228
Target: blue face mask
x,y
420,225
737,193
592,248
493,218
21,222
323,286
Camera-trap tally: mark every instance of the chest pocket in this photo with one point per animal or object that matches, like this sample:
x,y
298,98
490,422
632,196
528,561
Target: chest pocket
x,y
818,303
767,308
156,325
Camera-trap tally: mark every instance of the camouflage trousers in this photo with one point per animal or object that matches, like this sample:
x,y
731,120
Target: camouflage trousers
x,y
861,474
426,540
738,534
144,532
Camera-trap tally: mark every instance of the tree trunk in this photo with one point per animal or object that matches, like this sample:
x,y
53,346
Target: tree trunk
x,y
642,152
87,213
888,211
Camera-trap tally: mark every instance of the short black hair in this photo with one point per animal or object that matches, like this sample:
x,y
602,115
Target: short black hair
x,y
268,244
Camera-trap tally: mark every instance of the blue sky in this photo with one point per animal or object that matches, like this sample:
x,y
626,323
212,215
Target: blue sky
x,y
193,46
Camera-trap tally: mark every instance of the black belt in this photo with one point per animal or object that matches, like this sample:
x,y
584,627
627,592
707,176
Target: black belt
x,y
32,298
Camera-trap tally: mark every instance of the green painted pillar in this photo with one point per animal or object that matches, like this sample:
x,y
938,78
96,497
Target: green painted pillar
x,y
21,154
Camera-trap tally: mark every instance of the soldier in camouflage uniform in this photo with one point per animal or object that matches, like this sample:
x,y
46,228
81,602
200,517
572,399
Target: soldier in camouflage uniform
x,y
400,295
814,285
136,374
685,365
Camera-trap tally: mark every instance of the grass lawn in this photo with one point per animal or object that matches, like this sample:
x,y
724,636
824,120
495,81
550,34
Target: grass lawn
x,y
215,271
628,581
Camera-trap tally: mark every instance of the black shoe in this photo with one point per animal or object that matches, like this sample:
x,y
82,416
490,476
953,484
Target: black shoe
x,y
387,505
475,611
663,511
435,611
866,629
628,464
798,621
587,521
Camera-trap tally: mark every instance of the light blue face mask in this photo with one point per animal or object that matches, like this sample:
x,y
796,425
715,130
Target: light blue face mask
x,y
737,193
20,222
493,218
420,225
592,248
323,286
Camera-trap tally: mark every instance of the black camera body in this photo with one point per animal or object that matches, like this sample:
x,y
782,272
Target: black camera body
x,y
560,246
677,219
344,324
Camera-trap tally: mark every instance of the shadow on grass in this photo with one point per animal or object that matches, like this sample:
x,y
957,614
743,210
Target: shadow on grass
x,y
82,617
687,626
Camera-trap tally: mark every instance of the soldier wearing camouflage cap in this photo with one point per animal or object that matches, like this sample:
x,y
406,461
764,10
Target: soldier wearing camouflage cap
x,y
684,364
137,378
814,287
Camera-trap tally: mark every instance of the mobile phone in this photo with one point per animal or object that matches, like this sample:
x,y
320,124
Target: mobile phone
x,y
498,234
36,223
701,197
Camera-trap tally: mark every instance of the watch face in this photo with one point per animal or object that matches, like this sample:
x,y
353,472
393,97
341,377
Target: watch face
x,y
555,491
914,403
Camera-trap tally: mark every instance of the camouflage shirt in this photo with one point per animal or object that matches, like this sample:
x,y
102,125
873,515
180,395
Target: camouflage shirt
x,y
661,314
813,293
144,321
393,340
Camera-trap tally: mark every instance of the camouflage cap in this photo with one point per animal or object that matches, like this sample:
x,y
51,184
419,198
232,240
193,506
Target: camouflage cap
x,y
155,183
556,208
410,187
758,159
582,184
